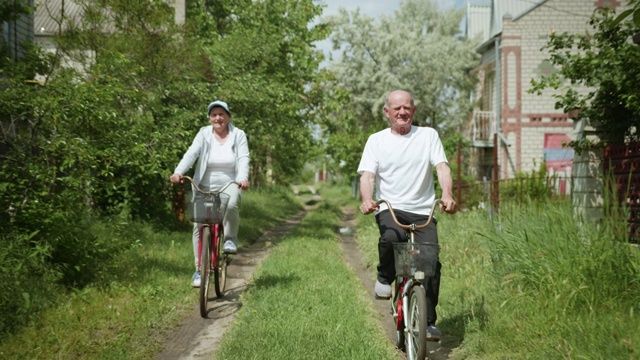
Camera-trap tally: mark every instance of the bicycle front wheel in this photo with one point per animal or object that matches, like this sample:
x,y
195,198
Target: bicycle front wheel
x,y
205,270
417,324
222,259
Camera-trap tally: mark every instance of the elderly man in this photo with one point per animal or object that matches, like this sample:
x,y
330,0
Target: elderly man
x,y
398,162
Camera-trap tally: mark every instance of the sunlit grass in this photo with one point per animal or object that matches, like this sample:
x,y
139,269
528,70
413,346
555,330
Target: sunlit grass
x,y
305,303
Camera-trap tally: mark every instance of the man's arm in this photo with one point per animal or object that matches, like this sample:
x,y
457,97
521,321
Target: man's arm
x,y
367,181
446,183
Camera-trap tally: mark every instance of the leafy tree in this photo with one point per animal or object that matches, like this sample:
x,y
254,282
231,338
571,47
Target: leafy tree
x,y
607,65
633,13
342,136
419,49
104,134
264,59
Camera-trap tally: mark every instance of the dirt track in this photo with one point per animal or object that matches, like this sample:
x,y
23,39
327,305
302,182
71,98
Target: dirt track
x,y
198,338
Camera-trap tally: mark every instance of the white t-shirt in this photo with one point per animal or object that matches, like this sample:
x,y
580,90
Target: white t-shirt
x,y
403,167
221,166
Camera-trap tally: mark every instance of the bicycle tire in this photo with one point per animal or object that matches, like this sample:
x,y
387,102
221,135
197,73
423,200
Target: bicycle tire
x,y
205,270
400,340
222,259
417,324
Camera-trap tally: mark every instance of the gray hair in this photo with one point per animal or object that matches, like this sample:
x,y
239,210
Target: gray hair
x,y
386,98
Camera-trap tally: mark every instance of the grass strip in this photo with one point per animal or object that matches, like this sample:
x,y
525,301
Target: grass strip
x,y
306,303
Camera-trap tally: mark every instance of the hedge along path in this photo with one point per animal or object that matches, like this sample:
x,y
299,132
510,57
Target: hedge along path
x,y
198,338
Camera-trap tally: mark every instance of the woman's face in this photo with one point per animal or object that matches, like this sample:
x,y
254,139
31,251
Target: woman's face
x,y
219,118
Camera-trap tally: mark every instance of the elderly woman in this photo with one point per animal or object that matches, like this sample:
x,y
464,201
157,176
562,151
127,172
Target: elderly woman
x,y
222,152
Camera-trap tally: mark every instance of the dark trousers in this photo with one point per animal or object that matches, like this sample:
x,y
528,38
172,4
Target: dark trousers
x,y
391,233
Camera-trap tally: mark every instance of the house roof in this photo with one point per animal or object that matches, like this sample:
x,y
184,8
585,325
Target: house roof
x,y
486,19
478,18
49,14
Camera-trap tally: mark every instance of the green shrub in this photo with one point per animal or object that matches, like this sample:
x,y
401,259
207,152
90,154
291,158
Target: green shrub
x,y
536,185
27,279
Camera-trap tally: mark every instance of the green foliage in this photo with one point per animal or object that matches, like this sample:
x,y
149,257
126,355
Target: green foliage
x,y
344,137
87,252
607,64
26,279
143,294
537,185
262,60
541,255
633,13
124,95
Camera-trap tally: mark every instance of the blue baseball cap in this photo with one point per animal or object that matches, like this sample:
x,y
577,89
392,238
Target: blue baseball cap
x,y
218,103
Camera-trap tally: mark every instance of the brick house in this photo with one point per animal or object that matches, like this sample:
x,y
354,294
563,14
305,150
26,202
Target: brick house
x,y
529,128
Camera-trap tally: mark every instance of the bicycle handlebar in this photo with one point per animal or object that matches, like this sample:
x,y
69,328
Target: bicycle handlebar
x,y
208,192
411,227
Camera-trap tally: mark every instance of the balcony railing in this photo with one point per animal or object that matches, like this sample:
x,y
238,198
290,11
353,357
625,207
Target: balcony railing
x,y
483,128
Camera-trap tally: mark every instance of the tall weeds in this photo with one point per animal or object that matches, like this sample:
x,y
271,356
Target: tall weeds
x,y
565,282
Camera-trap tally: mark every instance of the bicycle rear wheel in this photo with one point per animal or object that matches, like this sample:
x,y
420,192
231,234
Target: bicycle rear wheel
x,y
417,324
205,270
222,259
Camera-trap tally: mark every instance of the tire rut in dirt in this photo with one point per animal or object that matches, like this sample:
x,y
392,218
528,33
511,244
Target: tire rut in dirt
x,y
198,338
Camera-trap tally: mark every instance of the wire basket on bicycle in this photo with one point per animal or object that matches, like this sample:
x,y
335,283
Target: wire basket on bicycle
x,y
411,257
208,208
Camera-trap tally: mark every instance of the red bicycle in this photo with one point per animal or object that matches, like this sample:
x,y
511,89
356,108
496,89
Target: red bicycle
x,y
207,208
415,263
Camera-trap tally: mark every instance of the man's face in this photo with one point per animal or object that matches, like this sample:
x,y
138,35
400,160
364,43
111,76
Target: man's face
x,y
400,111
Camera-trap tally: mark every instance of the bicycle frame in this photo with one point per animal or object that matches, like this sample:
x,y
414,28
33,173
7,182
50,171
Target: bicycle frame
x,y
216,229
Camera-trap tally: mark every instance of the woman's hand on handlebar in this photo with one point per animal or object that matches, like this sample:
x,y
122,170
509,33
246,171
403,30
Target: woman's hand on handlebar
x,y
448,205
244,184
368,206
175,178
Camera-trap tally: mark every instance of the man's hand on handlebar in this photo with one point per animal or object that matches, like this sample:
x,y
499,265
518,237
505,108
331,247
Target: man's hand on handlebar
x,y
448,205
368,206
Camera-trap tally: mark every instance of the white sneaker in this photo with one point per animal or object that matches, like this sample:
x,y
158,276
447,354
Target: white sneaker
x,y
230,247
433,334
382,291
196,280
